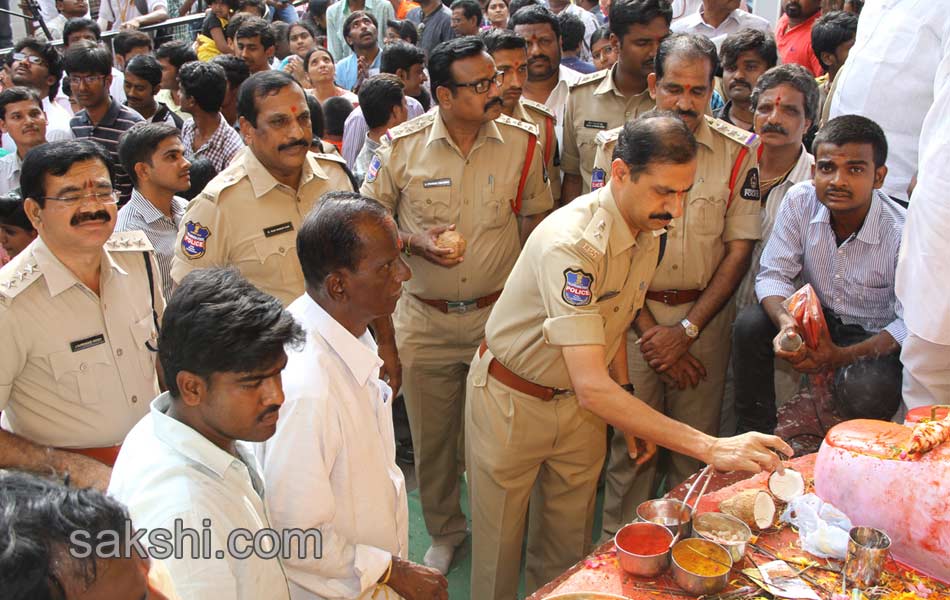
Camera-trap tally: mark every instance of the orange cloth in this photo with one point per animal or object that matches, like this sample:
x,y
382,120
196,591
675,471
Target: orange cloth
x,y
404,7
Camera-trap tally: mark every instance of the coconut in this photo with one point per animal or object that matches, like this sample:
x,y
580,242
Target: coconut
x,y
787,486
452,240
755,508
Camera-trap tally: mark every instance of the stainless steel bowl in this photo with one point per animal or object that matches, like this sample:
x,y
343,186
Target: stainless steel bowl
x,y
668,513
725,530
631,551
689,551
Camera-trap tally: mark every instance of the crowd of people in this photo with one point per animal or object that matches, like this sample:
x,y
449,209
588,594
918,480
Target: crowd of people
x,y
562,235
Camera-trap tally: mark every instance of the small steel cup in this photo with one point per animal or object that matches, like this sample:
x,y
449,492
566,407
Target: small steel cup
x,y
867,552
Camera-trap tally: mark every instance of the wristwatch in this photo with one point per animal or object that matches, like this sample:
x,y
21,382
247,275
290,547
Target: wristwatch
x,y
692,332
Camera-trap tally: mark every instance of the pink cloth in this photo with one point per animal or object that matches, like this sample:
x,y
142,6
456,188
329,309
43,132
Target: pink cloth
x,y
794,43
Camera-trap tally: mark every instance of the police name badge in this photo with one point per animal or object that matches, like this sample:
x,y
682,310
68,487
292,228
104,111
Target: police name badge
x,y
194,241
576,290
598,178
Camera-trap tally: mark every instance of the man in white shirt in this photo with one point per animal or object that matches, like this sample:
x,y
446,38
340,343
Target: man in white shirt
x,y
332,463
38,66
890,77
22,118
186,463
131,14
718,18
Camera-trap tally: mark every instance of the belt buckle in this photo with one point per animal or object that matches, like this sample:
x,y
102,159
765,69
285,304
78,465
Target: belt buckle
x,y
458,307
670,297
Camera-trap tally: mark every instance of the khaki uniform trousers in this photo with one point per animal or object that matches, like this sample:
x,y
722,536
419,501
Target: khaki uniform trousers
x,y
628,485
435,349
527,460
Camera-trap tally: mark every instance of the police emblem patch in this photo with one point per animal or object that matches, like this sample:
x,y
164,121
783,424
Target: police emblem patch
x,y
598,178
195,241
576,290
373,170
750,189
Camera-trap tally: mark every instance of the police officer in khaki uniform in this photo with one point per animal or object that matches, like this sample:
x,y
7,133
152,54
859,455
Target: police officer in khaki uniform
x,y
607,99
509,51
539,390
79,312
248,216
463,166
679,348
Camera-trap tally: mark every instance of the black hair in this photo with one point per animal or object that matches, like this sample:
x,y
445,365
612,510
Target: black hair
x,y
379,95
406,30
257,4
81,24
748,40
318,8
218,322
444,56
516,5
258,85
140,143
357,14
534,14
256,27
329,238
572,31
147,67
206,83
794,75
176,52
831,30
317,126
601,33
233,25
688,45
315,50
853,129
39,520
12,212
17,93
656,137
301,23
88,58
470,9
48,52
335,112
400,55
502,39
126,40
235,69
626,13
281,30
202,171
56,159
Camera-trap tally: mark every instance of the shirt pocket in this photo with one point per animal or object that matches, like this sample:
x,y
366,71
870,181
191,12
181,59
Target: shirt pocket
x,y
706,213
587,146
872,303
497,211
145,335
277,255
75,373
433,203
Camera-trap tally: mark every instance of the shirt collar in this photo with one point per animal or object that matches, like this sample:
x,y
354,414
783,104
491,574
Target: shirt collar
x,y
186,441
57,276
262,181
870,232
703,133
620,237
359,354
440,131
109,119
144,207
607,83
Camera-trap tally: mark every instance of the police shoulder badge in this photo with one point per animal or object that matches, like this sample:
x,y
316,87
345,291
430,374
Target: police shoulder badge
x,y
195,240
577,287
373,170
750,188
598,178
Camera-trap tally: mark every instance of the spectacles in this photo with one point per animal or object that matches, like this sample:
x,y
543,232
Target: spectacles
x,y
604,52
482,85
35,60
77,80
98,197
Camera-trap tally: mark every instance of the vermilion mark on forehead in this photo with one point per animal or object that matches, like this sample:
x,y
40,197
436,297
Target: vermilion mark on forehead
x,y
293,109
778,101
688,88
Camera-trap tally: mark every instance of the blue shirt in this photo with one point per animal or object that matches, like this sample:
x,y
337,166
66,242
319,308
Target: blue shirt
x,y
572,62
347,71
854,280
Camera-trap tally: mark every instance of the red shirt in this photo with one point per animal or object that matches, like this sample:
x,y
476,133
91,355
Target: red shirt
x,y
794,43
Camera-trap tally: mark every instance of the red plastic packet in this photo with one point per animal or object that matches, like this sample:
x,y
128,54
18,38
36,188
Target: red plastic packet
x,y
806,308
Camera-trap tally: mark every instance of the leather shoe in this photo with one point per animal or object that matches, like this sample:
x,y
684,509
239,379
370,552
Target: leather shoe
x,y
439,557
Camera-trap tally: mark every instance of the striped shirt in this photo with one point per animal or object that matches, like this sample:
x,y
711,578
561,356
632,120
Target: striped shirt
x,y
140,214
854,280
117,120
220,148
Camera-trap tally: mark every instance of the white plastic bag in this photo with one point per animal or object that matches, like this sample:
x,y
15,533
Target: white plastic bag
x,y
822,528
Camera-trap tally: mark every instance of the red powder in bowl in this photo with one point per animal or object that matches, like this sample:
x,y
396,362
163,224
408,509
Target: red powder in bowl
x,y
644,539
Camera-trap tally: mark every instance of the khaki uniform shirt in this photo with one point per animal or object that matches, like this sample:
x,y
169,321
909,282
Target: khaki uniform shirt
x,y
530,111
595,105
711,216
75,371
246,218
422,177
579,281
